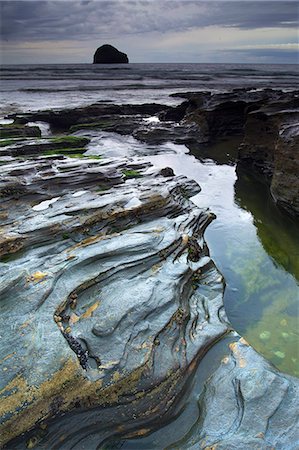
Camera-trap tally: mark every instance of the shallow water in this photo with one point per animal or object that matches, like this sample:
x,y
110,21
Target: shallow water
x,y
256,247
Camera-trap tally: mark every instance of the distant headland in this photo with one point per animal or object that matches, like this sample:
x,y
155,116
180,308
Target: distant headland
x,y
107,54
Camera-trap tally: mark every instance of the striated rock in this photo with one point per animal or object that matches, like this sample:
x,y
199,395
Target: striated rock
x,y
18,130
107,54
62,144
267,119
118,296
246,404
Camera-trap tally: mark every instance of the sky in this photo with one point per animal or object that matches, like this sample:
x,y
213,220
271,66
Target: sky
x,y
183,31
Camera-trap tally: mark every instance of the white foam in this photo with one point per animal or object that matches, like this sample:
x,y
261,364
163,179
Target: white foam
x,y
6,121
152,119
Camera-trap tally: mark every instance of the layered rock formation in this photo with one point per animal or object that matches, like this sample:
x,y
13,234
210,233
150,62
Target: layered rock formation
x,y
107,54
246,404
119,296
109,297
267,120
271,147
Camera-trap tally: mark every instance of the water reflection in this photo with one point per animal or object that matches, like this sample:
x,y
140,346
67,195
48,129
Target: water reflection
x,y
275,334
254,245
277,232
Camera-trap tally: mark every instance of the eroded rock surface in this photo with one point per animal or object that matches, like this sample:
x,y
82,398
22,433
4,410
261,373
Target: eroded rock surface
x,y
246,404
109,287
271,147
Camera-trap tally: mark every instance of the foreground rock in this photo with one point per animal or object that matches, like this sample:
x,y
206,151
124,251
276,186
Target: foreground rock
x,y
112,293
107,54
246,404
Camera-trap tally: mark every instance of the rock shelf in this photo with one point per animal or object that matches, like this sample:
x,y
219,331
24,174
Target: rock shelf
x,y
109,298
114,303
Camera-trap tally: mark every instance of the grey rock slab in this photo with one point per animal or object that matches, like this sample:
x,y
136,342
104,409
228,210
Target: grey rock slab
x,y
247,404
100,298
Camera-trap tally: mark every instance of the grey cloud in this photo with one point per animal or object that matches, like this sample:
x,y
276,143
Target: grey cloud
x,y
263,55
82,20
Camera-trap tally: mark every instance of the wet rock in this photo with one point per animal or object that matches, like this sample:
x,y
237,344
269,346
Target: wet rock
x,y
179,133
97,113
107,54
62,144
246,404
167,172
107,308
110,299
17,130
270,147
268,121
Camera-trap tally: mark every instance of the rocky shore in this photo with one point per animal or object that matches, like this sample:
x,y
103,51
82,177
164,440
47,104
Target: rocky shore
x,y
109,296
266,119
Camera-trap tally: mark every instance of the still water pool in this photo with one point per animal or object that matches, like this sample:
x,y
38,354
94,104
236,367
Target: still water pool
x,y
255,246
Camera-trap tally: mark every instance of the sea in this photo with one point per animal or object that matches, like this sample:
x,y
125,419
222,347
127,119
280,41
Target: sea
x,y
253,243
33,87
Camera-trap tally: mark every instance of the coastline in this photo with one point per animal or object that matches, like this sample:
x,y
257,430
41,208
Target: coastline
x,y
135,196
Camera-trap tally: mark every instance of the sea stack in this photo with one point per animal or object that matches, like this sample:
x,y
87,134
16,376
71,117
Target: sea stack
x,y
107,54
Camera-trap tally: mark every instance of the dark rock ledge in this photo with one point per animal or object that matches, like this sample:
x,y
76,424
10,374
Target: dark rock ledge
x,y
267,120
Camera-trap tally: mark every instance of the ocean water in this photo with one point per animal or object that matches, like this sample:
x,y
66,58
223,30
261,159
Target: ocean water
x,y
253,243
35,87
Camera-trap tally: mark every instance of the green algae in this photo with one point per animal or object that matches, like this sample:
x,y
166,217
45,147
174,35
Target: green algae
x,y
6,142
92,125
70,140
131,173
69,151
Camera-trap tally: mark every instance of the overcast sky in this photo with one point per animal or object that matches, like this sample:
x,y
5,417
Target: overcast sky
x,y
150,30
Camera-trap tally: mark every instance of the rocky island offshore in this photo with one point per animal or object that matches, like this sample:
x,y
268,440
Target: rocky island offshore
x,y
106,273
107,54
